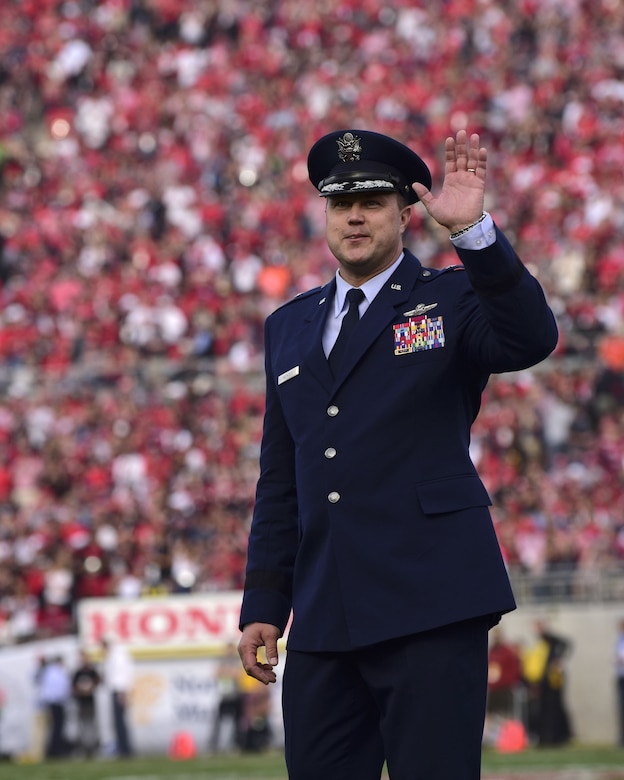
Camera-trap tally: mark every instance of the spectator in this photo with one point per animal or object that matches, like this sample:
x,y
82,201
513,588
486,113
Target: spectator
x,y
118,676
55,693
229,711
85,682
504,676
256,732
40,721
619,673
544,672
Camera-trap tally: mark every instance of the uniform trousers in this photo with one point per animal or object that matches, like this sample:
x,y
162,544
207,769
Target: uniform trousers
x,y
416,702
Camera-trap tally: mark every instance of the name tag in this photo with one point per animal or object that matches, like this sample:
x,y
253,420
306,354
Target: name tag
x,y
292,372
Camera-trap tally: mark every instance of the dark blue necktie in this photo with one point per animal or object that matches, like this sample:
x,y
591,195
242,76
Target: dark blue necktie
x,y
349,321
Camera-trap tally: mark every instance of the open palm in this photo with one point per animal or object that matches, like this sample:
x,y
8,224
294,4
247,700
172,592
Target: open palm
x,y
460,202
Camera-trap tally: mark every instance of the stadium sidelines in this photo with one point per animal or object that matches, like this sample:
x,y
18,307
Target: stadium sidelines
x,y
586,773
572,763
579,773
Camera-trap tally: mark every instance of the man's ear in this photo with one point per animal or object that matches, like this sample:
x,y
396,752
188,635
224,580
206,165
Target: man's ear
x,y
406,215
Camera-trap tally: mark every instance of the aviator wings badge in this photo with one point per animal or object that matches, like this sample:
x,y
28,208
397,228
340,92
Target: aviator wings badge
x,y
420,309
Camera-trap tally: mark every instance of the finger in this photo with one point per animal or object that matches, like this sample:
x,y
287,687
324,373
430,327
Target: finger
x,y
461,150
479,165
473,153
450,155
271,652
248,657
421,191
263,673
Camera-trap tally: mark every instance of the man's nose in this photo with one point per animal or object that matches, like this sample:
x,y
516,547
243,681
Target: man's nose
x,y
355,213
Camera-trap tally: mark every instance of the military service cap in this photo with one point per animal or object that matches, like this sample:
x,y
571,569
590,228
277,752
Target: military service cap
x,y
351,161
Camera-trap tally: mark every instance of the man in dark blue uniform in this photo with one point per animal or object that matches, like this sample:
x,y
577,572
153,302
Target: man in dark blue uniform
x,y
371,524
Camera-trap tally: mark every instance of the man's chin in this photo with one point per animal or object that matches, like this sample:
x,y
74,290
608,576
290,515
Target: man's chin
x,y
355,260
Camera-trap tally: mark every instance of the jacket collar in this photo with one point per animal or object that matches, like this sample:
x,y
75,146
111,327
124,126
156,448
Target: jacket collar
x,y
380,314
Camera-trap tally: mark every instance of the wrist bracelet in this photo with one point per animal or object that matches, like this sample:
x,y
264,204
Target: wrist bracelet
x,y
469,227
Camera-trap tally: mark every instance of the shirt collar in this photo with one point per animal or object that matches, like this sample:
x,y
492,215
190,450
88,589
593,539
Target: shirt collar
x,y
370,288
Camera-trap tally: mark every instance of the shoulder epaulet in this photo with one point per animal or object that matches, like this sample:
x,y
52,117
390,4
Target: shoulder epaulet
x,y
428,274
300,297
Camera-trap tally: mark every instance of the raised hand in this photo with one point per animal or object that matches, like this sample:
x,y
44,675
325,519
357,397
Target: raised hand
x,y
460,202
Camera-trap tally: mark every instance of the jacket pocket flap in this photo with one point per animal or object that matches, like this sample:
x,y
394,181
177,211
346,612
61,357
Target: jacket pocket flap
x,y
452,494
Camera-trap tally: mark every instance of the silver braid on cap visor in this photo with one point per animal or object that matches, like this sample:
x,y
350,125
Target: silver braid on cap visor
x,y
354,186
362,181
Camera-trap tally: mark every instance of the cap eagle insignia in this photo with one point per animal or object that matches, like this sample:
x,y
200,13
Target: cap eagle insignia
x,y
349,148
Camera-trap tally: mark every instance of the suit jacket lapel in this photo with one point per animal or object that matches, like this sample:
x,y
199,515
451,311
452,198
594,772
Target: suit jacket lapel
x,y
380,314
383,311
314,356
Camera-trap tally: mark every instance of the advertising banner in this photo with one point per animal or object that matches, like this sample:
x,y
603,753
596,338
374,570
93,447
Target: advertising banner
x,y
179,644
159,626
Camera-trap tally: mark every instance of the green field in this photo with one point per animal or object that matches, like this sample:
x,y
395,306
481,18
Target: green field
x,y
574,763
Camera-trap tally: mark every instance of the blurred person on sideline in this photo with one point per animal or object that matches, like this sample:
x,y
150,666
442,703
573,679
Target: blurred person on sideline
x,y
230,702
544,672
505,720
118,676
504,675
40,721
371,523
619,672
55,694
85,682
255,726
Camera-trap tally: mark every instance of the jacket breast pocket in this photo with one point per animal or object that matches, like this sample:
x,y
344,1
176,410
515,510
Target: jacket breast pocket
x,y
452,494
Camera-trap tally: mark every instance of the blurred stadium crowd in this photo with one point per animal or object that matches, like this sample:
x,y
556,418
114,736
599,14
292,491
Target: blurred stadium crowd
x,y
155,208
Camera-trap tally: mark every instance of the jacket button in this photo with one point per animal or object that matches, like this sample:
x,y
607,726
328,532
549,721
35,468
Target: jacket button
x,y
332,411
330,452
333,497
